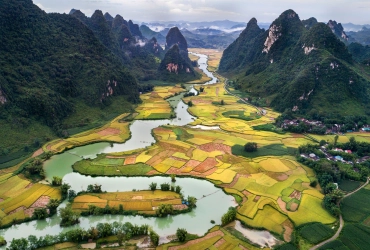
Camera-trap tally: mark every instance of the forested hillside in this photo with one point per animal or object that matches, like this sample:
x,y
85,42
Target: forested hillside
x,y
124,39
51,65
302,67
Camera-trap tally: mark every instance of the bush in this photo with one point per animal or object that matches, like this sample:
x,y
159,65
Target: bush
x,y
181,234
250,147
154,237
2,241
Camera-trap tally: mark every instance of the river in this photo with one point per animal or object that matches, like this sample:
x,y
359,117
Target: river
x,y
212,201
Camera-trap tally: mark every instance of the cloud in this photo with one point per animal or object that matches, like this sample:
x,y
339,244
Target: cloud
x,y
355,11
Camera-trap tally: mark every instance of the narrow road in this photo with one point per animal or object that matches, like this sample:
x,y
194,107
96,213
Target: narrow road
x,y
341,221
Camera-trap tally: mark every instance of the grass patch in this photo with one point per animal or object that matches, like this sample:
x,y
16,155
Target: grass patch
x,y
355,236
239,114
316,232
348,185
336,244
269,127
271,150
355,208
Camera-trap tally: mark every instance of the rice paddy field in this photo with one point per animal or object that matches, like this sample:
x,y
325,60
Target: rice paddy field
x,y
115,131
273,188
155,106
19,198
144,202
267,185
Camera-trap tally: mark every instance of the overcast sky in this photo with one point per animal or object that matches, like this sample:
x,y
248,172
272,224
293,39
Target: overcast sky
x,y
355,11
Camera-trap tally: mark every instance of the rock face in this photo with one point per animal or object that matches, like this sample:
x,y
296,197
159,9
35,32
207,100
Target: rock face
x,y
295,65
338,30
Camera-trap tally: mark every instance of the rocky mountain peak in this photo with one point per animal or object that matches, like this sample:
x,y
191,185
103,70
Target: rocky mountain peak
x,y
287,25
309,23
78,14
108,17
98,16
337,29
118,21
173,37
135,29
251,22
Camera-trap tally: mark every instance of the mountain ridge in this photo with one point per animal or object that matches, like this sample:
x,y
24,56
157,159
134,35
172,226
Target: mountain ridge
x,y
290,67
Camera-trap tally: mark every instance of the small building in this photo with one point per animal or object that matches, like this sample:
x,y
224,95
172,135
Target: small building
x,y
348,151
312,155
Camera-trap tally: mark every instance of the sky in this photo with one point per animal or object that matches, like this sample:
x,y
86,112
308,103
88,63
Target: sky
x,y
344,11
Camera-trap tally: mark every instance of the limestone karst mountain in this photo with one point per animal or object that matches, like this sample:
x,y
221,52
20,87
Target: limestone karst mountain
x,y
125,40
51,65
295,68
174,67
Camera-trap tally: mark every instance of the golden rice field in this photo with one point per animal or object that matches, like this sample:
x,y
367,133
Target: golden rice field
x,y
154,105
217,238
142,201
274,184
19,198
115,131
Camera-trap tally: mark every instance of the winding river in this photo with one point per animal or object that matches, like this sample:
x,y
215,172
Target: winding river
x,y
212,201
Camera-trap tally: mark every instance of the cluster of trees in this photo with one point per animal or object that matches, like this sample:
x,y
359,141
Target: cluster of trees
x,y
329,173
328,120
69,217
229,216
166,187
123,231
94,210
164,209
145,88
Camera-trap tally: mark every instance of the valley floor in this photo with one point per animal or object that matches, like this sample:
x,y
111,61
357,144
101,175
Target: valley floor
x,y
271,188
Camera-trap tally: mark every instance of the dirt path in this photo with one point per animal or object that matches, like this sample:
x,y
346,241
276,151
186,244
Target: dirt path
x,y
341,221
37,153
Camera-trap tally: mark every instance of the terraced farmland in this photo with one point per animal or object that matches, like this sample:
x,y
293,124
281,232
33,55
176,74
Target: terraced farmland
x,y
142,201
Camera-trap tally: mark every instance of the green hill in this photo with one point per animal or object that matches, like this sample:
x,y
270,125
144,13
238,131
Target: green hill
x,y
291,67
54,75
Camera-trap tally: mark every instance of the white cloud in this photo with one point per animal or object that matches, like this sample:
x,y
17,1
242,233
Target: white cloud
x,y
355,11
